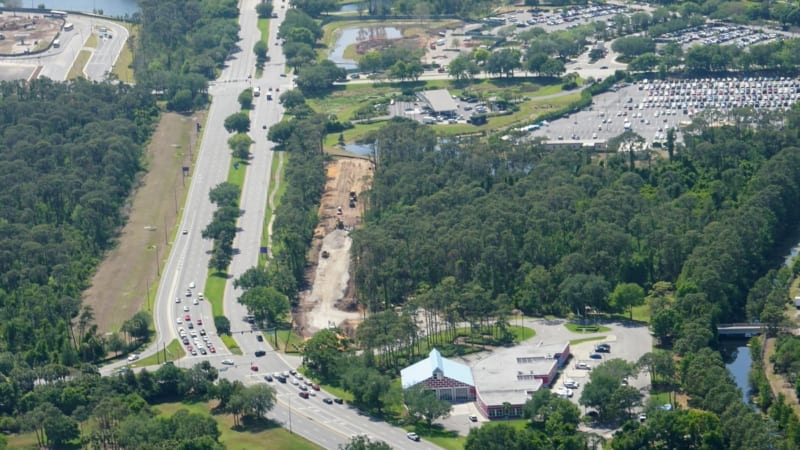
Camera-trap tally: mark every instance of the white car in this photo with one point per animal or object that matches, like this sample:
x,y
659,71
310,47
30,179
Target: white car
x,y
200,296
583,366
133,357
227,362
179,320
186,308
196,302
572,384
177,299
191,285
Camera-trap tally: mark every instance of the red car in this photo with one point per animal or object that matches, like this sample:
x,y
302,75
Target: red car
x,y
212,349
189,347
187,318
199,321
254,368
315,387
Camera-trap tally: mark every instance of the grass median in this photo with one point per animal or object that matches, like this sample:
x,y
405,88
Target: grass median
x,y
174,351
76,71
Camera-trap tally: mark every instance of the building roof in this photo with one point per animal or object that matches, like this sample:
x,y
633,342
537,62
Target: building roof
x,y
508,375
439,100
422,370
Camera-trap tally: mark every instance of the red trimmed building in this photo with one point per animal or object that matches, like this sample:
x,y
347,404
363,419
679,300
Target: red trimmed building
x,y
450,380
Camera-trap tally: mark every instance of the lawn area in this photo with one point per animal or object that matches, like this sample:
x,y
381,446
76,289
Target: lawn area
x,y
582,329
215,291
237,171
276,191
252,435
174,351
641,313
80,62
446,439
338,392
588,339
289,339
230,342
123,68
91,42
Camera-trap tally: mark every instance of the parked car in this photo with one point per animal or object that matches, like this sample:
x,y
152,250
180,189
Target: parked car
x,y
473,418
254,368
583,366
227,362
267,377
602,348
596,356
572,384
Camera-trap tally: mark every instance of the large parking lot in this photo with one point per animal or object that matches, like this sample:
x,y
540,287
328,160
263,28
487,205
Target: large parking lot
x,y
720,33
650,108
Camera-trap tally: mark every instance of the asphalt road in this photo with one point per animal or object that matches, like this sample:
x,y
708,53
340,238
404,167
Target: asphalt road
x,y
188,259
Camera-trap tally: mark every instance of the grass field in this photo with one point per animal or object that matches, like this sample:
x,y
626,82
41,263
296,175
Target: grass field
x,y
230,342
76,70
288,341
276,191
261,434
123,67
91,41
174,351
215,291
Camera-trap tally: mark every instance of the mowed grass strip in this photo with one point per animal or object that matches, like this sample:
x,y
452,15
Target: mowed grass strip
x,y
76,71
174,351
260,434
123,67
230,342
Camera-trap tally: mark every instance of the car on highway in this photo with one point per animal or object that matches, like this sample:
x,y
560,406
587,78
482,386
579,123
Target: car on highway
x,y
268,378
187,318
202,331
133,357
315,387
185,308
185,231
179,321
192,285
199,321
260,338
177,299
200,296
413,436
260,353
303,394
281,378
254,368
338,401
196,301
227,362
303,387
327,401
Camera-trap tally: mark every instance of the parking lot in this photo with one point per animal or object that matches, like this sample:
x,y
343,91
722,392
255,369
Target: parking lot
x,y
627,341
720,33
650,108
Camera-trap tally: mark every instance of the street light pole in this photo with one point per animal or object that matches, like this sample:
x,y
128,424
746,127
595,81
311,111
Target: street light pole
x,y
290,414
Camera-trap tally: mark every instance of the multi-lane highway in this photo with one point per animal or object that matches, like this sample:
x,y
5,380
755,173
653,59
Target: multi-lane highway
x,y
327,425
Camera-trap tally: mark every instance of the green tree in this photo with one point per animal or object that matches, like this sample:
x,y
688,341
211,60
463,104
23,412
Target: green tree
x,y
240,144
423,405
246,98
237,122
364,443
260,49
265,304
323,353
222,324
264,9
625,296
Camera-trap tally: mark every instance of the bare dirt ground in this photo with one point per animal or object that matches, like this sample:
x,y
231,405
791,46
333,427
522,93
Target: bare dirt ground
x,y
120,285
330,301
37,30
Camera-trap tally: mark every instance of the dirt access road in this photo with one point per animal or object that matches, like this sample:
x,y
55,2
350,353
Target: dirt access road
x,y
330,300
120,286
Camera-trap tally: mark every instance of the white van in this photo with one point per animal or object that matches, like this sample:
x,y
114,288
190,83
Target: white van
x,y
56,43
256,91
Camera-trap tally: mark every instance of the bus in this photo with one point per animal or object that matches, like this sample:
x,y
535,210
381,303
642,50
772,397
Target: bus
x,y
56,43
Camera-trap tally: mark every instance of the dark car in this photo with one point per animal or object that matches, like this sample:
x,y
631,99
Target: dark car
x,y
338,401
260,352
596,356
602,348
260,338
268,377
327,401
303,394
281,378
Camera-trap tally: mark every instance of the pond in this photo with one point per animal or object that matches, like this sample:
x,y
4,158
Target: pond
x,y
359,149
352,35
738,361
111,8
349,7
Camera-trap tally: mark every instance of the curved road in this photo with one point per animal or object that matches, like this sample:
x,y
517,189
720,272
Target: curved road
x,y
327,425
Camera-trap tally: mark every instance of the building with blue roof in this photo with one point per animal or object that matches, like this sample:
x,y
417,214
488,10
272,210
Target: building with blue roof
x,y
450,380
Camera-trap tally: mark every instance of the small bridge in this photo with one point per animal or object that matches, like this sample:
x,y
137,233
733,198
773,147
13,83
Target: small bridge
x,y
740,329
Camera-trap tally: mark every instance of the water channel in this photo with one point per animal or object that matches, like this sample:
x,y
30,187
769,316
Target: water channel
x,y
351,35
111,8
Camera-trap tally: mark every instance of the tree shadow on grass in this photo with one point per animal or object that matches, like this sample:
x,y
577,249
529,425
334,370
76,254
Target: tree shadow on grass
x,y
434,431
251,424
